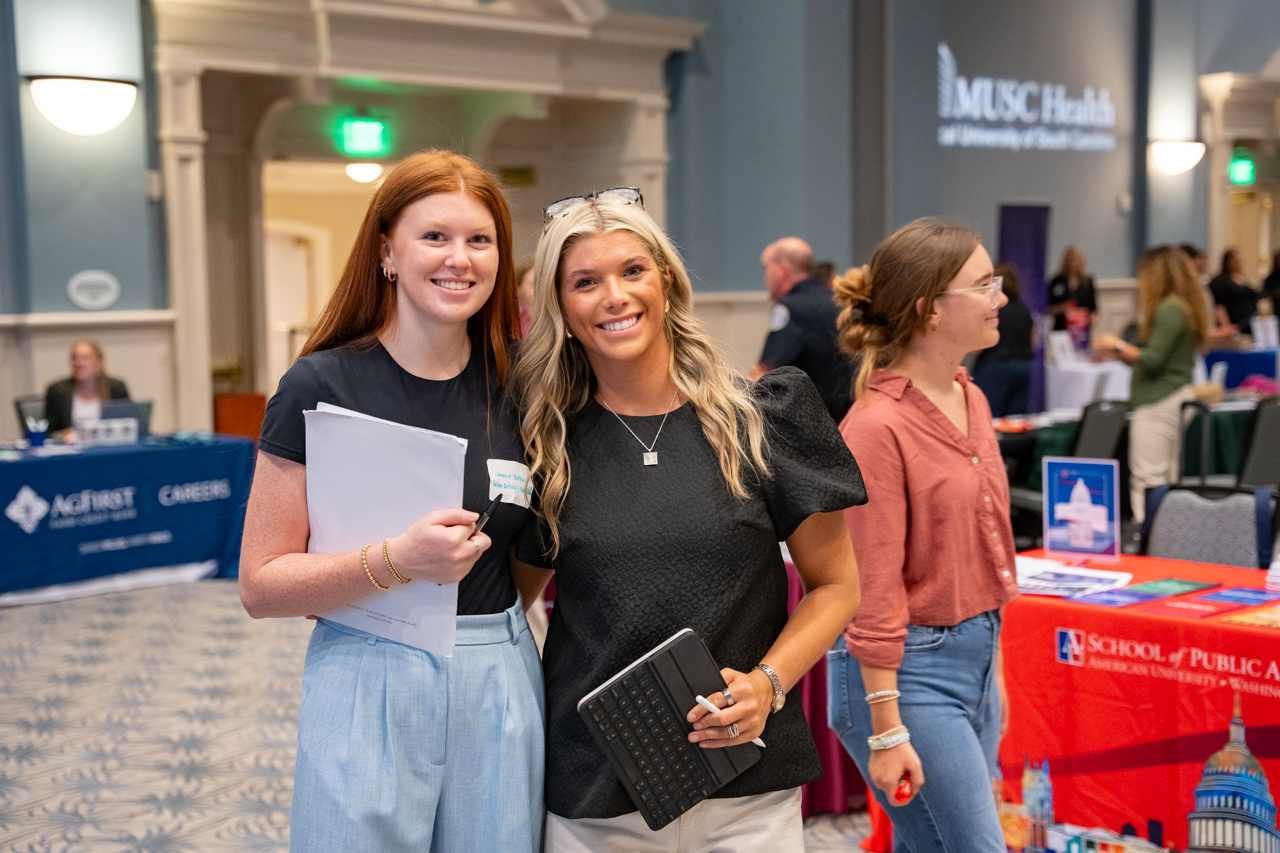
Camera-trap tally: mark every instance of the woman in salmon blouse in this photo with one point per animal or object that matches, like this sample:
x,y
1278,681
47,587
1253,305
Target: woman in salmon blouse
x,y
916,684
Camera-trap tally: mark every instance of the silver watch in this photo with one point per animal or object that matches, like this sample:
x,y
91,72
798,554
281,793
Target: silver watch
x,y
779,697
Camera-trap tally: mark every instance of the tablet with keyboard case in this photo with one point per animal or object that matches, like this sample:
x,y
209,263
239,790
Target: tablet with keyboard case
x,y
638,719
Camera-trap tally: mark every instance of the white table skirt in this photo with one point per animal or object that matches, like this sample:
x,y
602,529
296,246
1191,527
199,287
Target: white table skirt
x,y
1071,386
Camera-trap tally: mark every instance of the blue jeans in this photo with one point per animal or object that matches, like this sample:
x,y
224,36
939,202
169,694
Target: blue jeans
x,y
404,750
951,705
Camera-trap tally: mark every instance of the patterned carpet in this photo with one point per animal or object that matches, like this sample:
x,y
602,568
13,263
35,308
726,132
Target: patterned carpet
x,y
164,721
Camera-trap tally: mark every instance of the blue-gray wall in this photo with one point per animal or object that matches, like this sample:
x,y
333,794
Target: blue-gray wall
x,y
86,204
758,133
13,268
1077,44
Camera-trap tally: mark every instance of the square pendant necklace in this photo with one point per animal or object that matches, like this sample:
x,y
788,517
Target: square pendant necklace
x,y
650,456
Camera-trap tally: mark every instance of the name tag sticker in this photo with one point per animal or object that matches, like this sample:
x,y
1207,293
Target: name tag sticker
x,y
508,478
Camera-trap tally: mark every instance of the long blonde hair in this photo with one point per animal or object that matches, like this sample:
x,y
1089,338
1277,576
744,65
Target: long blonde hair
x,y
879,318
1165,272
553,377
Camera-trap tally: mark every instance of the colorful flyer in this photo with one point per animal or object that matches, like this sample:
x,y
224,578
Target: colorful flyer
x,y
1245,595
1116,598
1082,507
1172,586
1189,608
1267,617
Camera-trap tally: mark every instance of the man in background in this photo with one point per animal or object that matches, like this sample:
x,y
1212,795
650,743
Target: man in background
x,y
802,327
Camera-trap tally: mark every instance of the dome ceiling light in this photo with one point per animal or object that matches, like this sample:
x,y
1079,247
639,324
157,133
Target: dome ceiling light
x,y
83,106
1174,158
364,172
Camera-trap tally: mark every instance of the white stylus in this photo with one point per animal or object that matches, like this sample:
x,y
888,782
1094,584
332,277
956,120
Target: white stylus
x,y
701,700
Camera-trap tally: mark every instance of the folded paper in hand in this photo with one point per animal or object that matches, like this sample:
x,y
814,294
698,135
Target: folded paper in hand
x,y
367,480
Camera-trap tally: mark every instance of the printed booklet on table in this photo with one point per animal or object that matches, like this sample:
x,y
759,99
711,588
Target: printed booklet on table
x,y
1082,507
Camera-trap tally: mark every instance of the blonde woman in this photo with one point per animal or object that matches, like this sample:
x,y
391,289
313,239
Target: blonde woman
x,y
665,484
1172,322
915,688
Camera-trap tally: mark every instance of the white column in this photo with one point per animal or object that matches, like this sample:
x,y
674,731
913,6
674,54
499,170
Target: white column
x,y
182,140
644,155
1217,88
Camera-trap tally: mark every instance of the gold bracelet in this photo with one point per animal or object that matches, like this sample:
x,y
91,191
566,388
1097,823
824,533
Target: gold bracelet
x,y
386,555
364,561
882,699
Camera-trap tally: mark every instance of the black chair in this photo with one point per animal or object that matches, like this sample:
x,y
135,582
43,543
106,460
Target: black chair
x,y
1101,425
1261,463
28,406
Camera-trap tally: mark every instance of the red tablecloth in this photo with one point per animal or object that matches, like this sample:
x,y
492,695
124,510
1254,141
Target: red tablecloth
x,y
1127,706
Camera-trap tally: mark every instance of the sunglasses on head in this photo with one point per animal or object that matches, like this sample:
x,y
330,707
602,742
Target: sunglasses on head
x,y
622,195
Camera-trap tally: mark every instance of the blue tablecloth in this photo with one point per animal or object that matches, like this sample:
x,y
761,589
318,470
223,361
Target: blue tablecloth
x,y
107,510
1242,364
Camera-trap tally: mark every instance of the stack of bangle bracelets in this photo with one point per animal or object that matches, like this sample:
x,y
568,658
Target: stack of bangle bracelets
x,y
888,740
882,696
896,735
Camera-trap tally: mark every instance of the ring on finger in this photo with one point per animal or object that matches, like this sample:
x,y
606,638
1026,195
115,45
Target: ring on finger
x,y
477,544
728,697
732,730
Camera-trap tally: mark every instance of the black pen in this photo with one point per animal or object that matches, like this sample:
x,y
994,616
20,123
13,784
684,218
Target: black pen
x,y
488,513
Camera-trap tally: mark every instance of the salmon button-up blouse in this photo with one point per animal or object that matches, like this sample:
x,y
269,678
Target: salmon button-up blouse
x,y
933,542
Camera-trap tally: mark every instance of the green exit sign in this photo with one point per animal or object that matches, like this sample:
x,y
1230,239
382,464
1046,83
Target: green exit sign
x,y
363,137
1241,171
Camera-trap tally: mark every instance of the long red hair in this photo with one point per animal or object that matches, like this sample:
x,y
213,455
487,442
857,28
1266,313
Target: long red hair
x,y
364,302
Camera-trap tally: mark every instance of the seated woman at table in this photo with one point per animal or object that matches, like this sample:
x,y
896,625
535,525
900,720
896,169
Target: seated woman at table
x,y
666,483
1172,323
78,399
400,749
916,688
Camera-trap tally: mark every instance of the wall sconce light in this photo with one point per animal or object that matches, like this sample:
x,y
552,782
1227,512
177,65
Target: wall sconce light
x,y
364,172
1174,158
83,106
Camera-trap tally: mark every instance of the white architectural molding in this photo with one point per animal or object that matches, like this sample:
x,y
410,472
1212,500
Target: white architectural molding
x,y
87,319
1240,107
182,152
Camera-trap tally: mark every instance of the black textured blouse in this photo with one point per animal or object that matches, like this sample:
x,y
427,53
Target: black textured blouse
x,y
647,551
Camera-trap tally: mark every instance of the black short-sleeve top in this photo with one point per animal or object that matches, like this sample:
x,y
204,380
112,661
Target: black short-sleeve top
x,y
471,405
647,551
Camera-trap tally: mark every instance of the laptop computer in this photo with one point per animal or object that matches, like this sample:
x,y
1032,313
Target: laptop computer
x,y
638,719
141,409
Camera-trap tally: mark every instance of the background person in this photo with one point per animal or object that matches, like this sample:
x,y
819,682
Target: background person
x,y
934,542
1072,301
802,328
1271,284
1172,323
616,366
400,749
524,285
1234,299
78,399
1003,372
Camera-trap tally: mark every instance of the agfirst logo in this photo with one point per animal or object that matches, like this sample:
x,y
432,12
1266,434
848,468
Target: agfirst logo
x,y
78,509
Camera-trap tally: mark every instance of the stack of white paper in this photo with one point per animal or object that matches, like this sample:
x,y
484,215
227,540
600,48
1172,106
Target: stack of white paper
x,y
367,480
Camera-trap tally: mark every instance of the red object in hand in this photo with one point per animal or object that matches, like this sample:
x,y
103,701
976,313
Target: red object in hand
x,y
904,790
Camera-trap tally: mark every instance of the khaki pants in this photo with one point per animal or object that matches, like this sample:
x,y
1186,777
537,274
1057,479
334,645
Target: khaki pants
x,y
1153,446
766,822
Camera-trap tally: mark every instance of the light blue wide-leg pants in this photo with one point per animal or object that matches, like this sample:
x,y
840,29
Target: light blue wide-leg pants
x,y
403,750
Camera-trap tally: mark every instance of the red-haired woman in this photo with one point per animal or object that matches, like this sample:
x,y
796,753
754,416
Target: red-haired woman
x,y
399,748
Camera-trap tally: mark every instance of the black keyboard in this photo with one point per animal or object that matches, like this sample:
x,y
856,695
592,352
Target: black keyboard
x,y
638,720
651,743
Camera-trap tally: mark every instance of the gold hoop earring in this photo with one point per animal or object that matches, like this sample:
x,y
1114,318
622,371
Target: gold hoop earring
x,y
389,276
667,310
